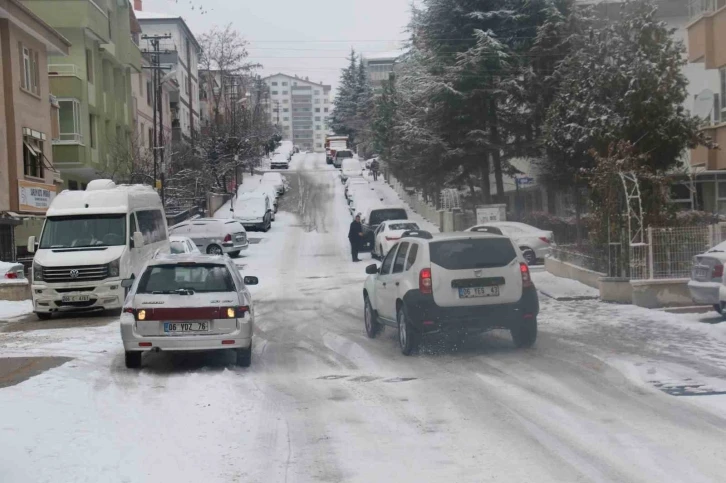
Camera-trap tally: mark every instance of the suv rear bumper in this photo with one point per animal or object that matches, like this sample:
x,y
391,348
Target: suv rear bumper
x,y
427,317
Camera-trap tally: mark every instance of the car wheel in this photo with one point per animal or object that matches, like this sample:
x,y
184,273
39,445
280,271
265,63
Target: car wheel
x,y
371,321
234,254
214,250
244,356
408,338
529,255
718,308
525,334
43,315
133,359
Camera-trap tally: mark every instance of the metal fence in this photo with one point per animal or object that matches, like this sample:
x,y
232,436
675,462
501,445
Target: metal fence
x,y
583,255
668,252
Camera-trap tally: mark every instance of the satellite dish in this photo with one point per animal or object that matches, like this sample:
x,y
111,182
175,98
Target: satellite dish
x,y
703,104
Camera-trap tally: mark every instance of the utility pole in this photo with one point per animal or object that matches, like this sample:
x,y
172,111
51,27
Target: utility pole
x,y
158,130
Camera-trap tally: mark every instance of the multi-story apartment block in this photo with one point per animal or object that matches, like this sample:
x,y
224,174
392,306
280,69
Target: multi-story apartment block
x,y
93,85
28,118
144,101
301,108
379,67
183,58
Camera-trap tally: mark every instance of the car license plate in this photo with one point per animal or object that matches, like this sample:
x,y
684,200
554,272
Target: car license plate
x,y
703,273
76,298
179,327
468,293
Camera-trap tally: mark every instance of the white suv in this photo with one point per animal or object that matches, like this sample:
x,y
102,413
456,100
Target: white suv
x,y
467,282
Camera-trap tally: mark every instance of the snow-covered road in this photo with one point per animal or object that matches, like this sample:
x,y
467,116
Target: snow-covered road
x,y
607,393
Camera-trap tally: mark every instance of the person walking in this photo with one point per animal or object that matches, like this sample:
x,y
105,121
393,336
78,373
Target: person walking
x,y
355,236
374,169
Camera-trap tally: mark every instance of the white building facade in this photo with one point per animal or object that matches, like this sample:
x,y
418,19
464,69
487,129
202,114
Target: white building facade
x,y
182,59
301,108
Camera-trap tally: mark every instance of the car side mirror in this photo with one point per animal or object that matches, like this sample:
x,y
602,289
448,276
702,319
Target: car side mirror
x,y
251,280
372,269
31,244
127,282
138,239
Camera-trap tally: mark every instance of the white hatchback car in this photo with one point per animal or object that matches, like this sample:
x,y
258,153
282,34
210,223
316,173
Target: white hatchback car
x,y
182,245
275,180
536,244
462,282
706,284
188,303
388,233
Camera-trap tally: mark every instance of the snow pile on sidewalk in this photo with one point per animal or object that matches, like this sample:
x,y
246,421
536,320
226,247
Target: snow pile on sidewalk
x,y
563,289
12,308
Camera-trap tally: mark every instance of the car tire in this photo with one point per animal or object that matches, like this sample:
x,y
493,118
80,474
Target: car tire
x,y
529,255
718,308
133,359
214,250
525,334
234,254
43,315
373,327
408,337
244,356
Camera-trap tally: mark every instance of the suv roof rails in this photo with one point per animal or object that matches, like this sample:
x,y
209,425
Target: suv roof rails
x,y
417,234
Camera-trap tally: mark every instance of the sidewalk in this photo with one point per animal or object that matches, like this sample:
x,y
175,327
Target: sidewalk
x,y
563,289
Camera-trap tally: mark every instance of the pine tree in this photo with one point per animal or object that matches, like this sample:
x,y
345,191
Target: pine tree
x,y
383,119
346,102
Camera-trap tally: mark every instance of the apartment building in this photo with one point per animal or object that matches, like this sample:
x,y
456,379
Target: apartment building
x,y
182,58
144,100
379,66
301,108
28,118
93,85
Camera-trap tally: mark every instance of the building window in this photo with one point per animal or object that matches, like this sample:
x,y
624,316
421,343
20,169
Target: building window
x,y
110,25
325,109
89,66
317,109
30,77
274,93
325,101
285,118
275,83
722,73
285,109
283,84
33,156
317,93
284,93
92,130
151,138
317,101
317,127
186,84
318,145
69,119
318,136
317,118
284,101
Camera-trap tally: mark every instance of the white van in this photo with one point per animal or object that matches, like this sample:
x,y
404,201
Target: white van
x,y
91,240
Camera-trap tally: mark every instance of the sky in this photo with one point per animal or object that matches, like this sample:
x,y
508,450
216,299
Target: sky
x,y
308,38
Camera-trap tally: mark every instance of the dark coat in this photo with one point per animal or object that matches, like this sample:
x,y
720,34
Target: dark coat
x,y
354,233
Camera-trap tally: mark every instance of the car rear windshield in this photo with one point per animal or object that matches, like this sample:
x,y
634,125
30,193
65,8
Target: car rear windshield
x,y
403,226
474,253
344,154
379,216
175,278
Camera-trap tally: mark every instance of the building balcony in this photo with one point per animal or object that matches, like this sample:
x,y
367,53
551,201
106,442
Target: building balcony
x,y
707,33
85,14
66,80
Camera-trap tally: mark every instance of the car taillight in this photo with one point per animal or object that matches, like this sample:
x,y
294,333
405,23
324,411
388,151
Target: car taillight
x,y
393,238
228,238
526,278
236,312
717,271
138,314
545,239
11,275
425,284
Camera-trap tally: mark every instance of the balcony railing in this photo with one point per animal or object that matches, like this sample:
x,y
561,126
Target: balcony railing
x,y
64,70
69,138
698,8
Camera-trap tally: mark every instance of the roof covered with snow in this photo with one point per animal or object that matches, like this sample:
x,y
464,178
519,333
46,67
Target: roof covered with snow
x,y
390,55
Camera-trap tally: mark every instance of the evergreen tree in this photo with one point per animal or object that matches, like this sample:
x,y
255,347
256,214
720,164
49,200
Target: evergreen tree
x,y
384,120
346,102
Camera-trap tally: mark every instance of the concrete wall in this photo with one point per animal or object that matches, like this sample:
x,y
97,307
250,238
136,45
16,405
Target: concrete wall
x,y
661,293
15,291
215,202
617,290
567,270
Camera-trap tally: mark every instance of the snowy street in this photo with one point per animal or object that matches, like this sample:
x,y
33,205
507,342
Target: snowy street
x,y
608,393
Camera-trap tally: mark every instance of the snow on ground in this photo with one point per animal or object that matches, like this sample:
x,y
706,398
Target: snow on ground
x,y
12,308
562,288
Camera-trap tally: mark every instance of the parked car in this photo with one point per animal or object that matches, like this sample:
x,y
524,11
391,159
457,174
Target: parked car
x,y
214,236
340,155
276,180
350,169
280,161
91,240
706,284
536,244
388,233
11,271
465,282
374,216
188,303
350,182
268,191
254,212
182,245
